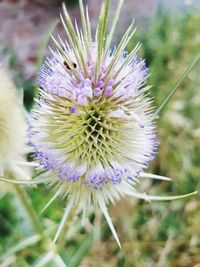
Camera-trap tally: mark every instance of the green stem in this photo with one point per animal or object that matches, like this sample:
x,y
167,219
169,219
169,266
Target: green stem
x,y
27,205
46,242
26,202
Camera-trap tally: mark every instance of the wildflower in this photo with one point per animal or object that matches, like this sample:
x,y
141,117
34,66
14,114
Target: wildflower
x,y
13,146
12,122
93,127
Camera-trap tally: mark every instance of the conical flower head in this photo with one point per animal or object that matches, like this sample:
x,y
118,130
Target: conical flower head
x,y
92,127
12,123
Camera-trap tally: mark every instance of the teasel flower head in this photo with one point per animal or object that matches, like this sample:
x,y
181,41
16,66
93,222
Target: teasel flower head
x,y
93,127
13,141
12,121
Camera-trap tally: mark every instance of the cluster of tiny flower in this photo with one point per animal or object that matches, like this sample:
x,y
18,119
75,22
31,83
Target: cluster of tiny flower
x,y
110,96
55,78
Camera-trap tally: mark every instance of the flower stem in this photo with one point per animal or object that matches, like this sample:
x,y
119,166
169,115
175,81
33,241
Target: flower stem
x,y
46,242
26,202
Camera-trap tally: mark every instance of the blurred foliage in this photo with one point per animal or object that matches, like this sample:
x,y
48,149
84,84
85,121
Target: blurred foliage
x,y
71,2
29,88
152,235
168,47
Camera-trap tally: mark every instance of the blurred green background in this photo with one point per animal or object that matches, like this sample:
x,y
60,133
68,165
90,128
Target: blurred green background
x,y
153,234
